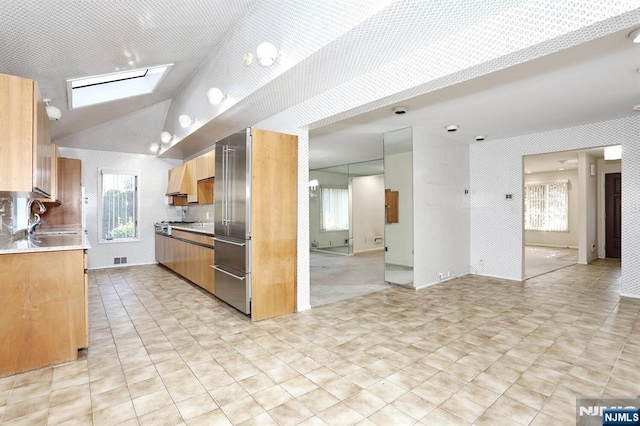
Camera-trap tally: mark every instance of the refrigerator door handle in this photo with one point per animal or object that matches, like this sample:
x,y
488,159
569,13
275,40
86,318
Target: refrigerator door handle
x,y
228,273
224,176
227,180
228,242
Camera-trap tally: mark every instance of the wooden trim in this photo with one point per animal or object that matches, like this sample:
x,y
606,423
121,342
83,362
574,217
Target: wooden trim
x,y
193,236
206,166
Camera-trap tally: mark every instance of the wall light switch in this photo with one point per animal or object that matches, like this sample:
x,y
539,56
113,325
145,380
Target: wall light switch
x,y
593,170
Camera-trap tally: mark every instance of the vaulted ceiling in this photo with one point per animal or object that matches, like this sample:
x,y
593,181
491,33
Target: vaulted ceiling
x,y
499,67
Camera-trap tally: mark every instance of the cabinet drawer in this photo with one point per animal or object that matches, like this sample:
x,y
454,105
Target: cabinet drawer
x,y
193,237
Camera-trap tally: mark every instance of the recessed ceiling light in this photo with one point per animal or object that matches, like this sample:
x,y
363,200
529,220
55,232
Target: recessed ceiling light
x,y
480,138
635,35
452,128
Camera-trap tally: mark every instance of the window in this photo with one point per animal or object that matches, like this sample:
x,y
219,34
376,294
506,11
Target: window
x,y
335,209
97,89
546,207
118,205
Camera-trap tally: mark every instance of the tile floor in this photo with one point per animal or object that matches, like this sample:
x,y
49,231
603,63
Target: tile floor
x,y
472,350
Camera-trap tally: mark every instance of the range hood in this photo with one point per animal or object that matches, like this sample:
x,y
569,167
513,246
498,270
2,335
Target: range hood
x,y
178,180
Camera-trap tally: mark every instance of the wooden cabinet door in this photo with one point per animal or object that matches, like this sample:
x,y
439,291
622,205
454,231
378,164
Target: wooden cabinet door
x,y
41,146
206,166
192,188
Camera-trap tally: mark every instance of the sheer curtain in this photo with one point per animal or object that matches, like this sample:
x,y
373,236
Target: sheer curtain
x,y
546,207
335,209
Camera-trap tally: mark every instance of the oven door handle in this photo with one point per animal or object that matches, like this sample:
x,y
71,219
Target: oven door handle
x,y
228,273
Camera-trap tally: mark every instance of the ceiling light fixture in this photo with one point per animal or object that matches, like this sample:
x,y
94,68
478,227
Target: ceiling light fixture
x,y
267,54
53,113
248,58
452,128
186,121
636,107
635,35
215,96
166,137
154,147
480,138
613,152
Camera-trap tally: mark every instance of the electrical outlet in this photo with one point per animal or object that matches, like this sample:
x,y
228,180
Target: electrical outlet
x,y
207,214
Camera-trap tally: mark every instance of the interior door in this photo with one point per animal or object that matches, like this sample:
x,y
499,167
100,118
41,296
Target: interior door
x,y
613,218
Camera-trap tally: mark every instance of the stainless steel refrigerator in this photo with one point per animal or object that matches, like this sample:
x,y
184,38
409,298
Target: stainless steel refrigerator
x,y
232,227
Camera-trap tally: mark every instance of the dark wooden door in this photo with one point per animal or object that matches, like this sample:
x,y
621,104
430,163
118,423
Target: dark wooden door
x,y
613,222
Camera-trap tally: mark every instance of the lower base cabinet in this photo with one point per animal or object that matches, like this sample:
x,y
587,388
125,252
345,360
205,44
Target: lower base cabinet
x,y
43,309
192,261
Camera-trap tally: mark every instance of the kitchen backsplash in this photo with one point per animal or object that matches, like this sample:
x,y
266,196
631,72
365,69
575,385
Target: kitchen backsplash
x,y
6,215
199,213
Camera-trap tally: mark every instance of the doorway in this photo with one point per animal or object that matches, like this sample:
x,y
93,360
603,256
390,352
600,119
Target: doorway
x,y
613,216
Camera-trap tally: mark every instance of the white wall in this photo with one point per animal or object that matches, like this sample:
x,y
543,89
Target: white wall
x,y
587,232
557,239
399,236
152,185
604,167
367,212
441,207
496,169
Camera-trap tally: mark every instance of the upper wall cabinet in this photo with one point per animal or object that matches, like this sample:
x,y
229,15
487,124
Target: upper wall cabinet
x,y
25,163
206,166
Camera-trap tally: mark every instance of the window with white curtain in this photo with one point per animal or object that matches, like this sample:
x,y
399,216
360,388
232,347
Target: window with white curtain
x,y
118,213
335,209
546,206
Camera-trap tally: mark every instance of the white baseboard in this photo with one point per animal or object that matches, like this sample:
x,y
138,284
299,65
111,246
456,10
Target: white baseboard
x,y
632,296
123,265
551,245
367,250
304,308
501,278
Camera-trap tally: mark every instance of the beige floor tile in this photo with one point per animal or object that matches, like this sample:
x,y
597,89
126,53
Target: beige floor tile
x,y
228,394
340,414
215,417
110,398
168,415
386,391
413,405
25,407
75,409
318,400
152,402
272,397
33,418
114,415
146,387
439,416
242,409
512,409
365,403
290,413
186,390
298,386
196,406
264,419
432,393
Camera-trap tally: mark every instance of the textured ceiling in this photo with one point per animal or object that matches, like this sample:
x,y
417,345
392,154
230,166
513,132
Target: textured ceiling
x,y
340,59
51,40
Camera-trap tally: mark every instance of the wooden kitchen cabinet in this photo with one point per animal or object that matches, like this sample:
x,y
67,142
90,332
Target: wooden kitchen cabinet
x,y
192,182
68,212
183,254
43,309
55,179
206,166
25,163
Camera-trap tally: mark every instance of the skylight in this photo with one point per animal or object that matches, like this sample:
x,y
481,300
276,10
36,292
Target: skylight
x,y
97,89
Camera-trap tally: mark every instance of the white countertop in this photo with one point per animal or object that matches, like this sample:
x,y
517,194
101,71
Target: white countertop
x,y
206,229
46,242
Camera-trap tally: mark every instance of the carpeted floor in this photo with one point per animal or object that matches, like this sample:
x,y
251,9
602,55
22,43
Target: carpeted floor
x,y
335,277
541,260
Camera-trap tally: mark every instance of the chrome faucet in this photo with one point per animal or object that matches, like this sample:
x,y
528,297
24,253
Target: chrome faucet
x,y
32,225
